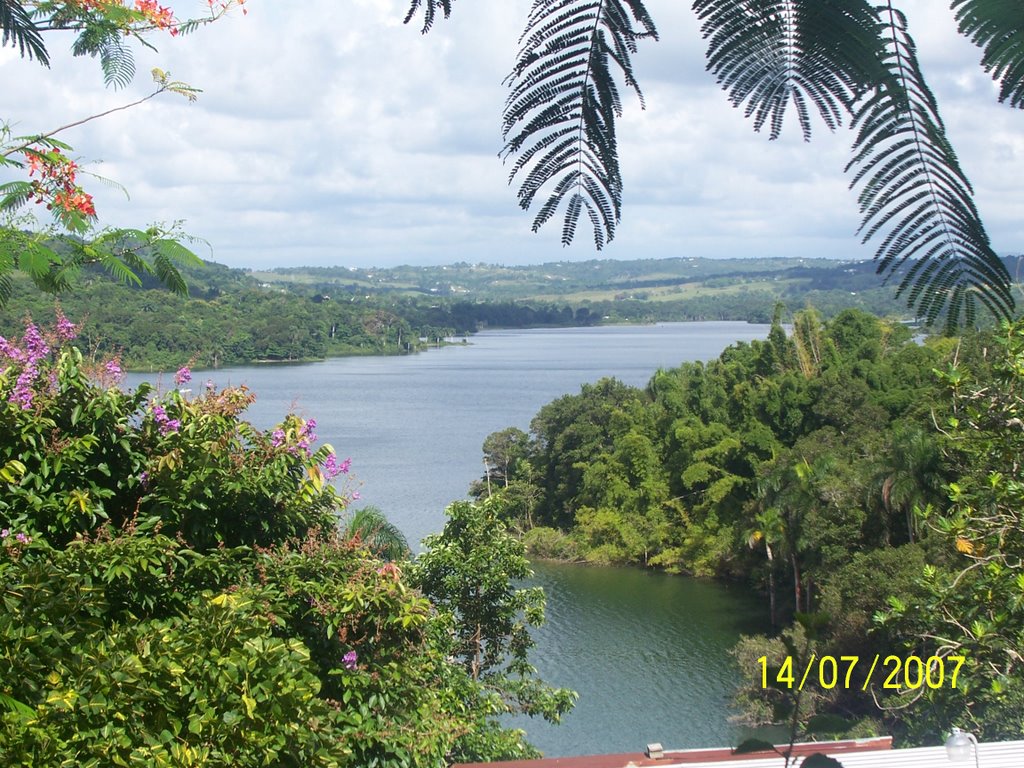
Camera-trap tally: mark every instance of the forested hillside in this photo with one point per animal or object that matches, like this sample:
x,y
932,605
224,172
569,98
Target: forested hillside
x,y
231,319
828,467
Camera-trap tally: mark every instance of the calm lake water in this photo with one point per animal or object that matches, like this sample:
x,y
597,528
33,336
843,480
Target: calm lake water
x,y
646,651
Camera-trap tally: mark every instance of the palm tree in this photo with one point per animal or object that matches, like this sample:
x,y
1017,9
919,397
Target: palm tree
x,y
769,529
911,477
378,534
852,60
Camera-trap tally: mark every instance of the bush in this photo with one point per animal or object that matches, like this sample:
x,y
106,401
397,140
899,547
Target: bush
x,y
175,591
549,544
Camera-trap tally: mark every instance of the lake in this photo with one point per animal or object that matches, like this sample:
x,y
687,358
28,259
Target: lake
x,y
646,651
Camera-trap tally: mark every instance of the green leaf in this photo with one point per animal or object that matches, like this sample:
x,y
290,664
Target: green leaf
x,y
917,199
997,27
21,32
559,117
771,54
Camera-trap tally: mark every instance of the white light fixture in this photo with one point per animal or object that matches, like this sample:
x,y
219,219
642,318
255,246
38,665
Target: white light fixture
x,y
655,751
959,746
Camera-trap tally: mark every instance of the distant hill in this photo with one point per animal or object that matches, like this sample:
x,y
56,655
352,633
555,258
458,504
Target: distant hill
x,y
240,316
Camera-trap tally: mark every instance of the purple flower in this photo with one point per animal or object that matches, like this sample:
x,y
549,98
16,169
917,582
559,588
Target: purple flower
x,y
34,343
23,394
350,660
183,376
170,425
66,330
5,533
277,438
9,350
144,478
332,468
23,538
166,424
113,368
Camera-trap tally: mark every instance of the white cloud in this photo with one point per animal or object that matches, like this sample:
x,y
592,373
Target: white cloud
x,y
330,133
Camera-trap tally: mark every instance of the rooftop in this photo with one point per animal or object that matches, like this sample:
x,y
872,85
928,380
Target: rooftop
x,y
859,753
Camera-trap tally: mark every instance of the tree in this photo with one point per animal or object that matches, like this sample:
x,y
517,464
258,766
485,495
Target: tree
x,y
849,59
469,571
373,530
52,255
502,450
973,601
912,475
175,593
768,529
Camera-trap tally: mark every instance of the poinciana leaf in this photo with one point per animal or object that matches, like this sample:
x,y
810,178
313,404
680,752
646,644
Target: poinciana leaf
x,y
914,195
559,119
430,9
15,194
768,54
106,41
997,27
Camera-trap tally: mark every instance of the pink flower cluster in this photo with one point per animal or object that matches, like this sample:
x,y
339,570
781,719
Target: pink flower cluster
x,y
159,16
164,422
54,181
21,538
306,437
33,349
332,467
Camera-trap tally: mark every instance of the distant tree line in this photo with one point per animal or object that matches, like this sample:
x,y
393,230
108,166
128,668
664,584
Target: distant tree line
x,y
230,321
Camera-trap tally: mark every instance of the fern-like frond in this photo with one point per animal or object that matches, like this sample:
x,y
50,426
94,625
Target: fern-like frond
x,y
30,255
913,194
430,9
6,288
21,32
107,43
559,117
768,54
14,194
997,27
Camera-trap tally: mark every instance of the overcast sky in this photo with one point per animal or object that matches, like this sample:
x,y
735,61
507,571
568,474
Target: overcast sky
x,y
330,134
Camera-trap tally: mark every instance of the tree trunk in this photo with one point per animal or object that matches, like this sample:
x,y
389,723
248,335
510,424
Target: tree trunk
x,y
796,582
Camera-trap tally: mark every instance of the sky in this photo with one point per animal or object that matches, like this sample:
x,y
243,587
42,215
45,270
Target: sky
x,y
329,133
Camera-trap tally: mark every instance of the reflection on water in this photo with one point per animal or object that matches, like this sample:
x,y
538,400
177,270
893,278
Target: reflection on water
x,y
647,653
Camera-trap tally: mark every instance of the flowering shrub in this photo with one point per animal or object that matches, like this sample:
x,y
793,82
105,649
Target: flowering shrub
x,y
93,453
175,592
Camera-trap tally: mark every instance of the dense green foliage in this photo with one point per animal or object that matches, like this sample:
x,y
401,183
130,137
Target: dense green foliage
x,y
470,571
810,464
175,591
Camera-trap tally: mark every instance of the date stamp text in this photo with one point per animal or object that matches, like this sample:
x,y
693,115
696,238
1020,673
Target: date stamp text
x,y
895,672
